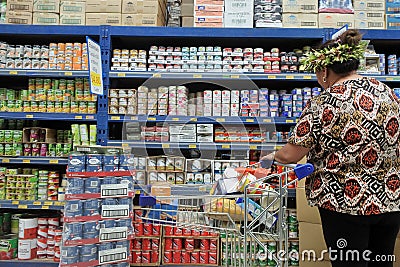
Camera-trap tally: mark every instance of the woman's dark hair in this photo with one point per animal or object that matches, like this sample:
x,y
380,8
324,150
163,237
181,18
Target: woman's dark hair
x,y
351,37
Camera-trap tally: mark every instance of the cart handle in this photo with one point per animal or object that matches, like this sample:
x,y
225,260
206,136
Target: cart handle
x,y
301,170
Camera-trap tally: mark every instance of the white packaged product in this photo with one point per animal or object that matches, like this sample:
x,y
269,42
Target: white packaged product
x,y
217,96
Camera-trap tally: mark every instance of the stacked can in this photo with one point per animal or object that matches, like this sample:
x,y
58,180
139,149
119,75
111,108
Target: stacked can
x,y
298,101
274,103
76,163
53,185
68,56
294,253
182,101
382,64
146,243
24,56
3,182
43,185
286,102
123,101
11,143
94,162
392,65
27,233
142,100
57,242
293,224
42,238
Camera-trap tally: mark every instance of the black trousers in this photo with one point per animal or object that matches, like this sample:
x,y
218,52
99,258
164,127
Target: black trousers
x,y
360,241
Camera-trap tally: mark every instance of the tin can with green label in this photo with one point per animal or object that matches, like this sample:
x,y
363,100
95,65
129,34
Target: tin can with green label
x,y
63,84
10,94
17,136
18,149
18,106
58,94
59,150
7,223
55,84
10,105
52,150
79,83
79,96
3,105
47,84
15,223
25,95
66,107
51,96
8,136
39,83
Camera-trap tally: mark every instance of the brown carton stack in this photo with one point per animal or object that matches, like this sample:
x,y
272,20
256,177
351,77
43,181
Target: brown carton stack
x,y
370,14
209,13
300,14
144,12
187,12
72,12
103,12
46,12
19,11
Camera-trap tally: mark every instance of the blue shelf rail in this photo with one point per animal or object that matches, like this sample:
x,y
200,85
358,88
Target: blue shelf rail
x,y
34,160
32,204
44,73
47,116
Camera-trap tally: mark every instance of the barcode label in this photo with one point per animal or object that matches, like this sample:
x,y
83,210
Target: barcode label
x,y
114,21
115,211
72,8
113,255
309,7
375,5
19,7
238,21
71,21
308,23
239,5
375,24
114,190
375,15
146,21
47,20
17,21
112,234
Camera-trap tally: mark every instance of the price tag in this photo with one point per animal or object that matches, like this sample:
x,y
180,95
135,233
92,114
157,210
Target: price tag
x,y
267,120
26,161
273,77
389,79
249,120
157,75
226,146
29,116
22,206
235,76
45,207
15,202
197,76
192,146
36,203
115,118
220,119
125,145
134,118
13,72
78,117
193,119
53,161
151,119
307,77
175,119
89,117
165,145
253,147
6,161
289,121
47,203
68,73
121,74
289,77
58,203
278,147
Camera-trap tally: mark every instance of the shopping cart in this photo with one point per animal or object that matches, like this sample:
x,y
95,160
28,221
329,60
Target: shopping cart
x,y
251,226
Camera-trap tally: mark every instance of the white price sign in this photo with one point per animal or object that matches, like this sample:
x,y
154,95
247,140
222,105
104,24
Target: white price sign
x,y
95,67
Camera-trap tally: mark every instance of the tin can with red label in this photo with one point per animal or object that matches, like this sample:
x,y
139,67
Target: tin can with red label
x,y
154,256
155,244
146,258
187,232
195,257
178,231
169,230
195,232
136,257
177,244
205,233
213,233
185,257
138,216
156,229
189,244
147,229
212,259
167,257
213,245
176,256
138,229
205,244
204,257
137,244
168,244
146,244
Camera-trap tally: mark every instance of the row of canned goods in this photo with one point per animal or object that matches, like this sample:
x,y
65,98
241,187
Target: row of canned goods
x,y
48,106
56,95
145,257
35,150
92,185
195,257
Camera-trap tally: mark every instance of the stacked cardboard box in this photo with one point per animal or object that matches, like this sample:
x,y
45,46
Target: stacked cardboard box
x,y
72,12
392,15
46,12
209,13
144,12
103,12
187,13
267,14
19,11
300,14
369,14
335,20
238,13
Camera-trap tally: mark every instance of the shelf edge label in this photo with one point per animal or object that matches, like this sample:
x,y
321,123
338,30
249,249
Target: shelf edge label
x,y
95,67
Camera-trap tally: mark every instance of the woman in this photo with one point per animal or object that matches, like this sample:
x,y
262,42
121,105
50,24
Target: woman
x,y
350,133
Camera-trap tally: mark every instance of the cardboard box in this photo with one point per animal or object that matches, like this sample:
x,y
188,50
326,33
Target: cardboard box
x,y
335,20
372,25
311,238
20,5
299,20
72,7
187,10
369,15
144,7
209,2
393,21
209,8
374,5
45,18
72,19
99,6
238,20
208,25
300,6
306,213
52,6
205,19
16,17
187,21
142,20
239,6
184,2
392,7
103,19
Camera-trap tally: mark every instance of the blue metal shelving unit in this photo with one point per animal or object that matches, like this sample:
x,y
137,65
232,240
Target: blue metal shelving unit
x,y
54,30
34,204
47,116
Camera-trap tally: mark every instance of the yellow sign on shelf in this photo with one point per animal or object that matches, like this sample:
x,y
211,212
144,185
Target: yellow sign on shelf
x,y
29,116
192,146
15,202
253,147
249,120
115,118
45,207
26,161
78,117
175,119
53,161
235,76
151,119
267,120
193,119
22,206
165,145
272,77
68,73
36,203
121,74
13,72
226,146
307,77
197,76
6,160
220,119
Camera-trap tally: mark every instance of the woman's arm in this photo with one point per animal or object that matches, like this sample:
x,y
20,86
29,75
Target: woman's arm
x,y
288,154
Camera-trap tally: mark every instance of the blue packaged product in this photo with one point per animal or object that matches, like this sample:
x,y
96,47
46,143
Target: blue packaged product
x,y
91,226
287,108
88,258
70,260
121,244
75,182
73,208
127,180
74,190
94,168
286,114
108,224
109,201
90,235
70,251
126,168
91,212
110,168
80,168
126,159
92,185
73,231
109,180
91,204
76,160
88,249
106,246
111,159
94,159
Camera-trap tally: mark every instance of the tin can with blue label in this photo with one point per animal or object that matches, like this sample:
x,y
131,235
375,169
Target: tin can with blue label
x,y
109,180
94,159
109,201
73,231
108,224
90,235
77,159
74,190
69,260
92,185
110,168
91,204
94,168
73,208
88,249
91,226
75,182
80,168
88,258
126,160
105,246
111,160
